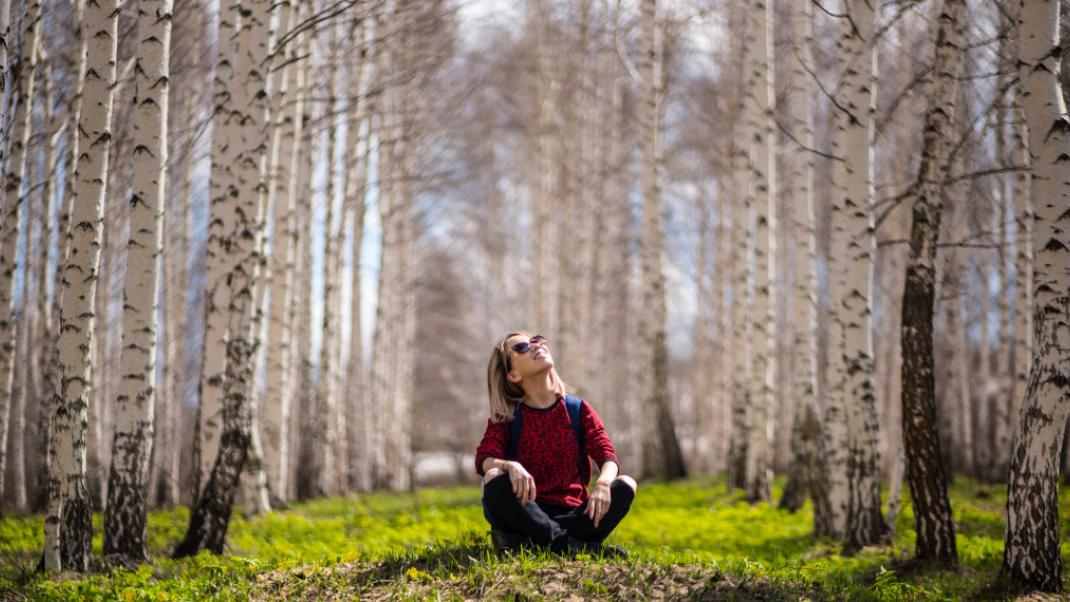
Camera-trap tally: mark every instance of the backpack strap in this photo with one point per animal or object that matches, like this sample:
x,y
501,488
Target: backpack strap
x,y
574,405
514,434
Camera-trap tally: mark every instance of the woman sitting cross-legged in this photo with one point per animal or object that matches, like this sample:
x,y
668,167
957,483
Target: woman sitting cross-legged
x,y
534,458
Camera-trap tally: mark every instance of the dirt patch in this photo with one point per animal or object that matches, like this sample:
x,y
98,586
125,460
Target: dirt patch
x,y
563,580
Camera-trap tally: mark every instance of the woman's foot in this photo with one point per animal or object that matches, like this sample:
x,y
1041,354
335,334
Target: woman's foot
x,y
507,542
612,550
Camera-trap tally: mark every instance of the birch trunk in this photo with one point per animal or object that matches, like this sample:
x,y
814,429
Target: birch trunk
x,y
211,516
865,525
69,546
742,233
1031,552
53,551
662,455
327,423
126,516
807,441
760,101
223,186
286,151
1003,376
355,183
1023,273
925,472
14,198
738,364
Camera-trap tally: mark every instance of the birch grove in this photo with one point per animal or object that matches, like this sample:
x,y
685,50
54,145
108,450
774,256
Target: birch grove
x,y
256,252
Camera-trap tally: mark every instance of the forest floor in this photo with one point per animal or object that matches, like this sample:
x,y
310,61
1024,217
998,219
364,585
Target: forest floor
x,y
691,540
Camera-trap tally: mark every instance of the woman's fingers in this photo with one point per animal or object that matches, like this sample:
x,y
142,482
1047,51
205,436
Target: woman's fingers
x,y
531,489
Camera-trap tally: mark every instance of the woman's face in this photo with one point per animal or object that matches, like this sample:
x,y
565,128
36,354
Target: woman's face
x,y
535,359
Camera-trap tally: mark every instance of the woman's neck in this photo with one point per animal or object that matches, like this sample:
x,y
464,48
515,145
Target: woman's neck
x,y
539,391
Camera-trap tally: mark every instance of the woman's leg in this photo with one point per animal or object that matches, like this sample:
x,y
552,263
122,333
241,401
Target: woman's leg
x,y
621,494
504,512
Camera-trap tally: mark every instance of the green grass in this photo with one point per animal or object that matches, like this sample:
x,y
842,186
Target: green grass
x,y
688,540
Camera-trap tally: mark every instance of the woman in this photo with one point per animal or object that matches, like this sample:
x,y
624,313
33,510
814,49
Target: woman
x,y
538,494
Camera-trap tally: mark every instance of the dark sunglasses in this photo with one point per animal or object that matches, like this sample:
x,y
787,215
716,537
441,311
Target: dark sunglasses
x,y
524,346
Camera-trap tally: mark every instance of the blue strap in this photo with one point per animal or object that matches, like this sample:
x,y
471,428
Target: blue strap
x,y
514,433
574,405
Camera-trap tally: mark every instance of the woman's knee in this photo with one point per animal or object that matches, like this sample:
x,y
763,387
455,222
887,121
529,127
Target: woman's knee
x,y
492,474
630,482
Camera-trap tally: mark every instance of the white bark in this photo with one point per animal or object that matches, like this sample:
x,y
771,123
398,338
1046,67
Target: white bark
x,y
327,418
223,186
251,113
661,450
760,102
54,511
1023,269
286,148
853,179
14,198
1031,552
126,516
78,295
358,141
837,442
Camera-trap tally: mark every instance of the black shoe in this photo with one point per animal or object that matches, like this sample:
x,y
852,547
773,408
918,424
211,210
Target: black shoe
x,y
507,542
576,546
613,550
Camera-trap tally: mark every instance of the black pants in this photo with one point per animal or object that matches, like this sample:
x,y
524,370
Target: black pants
x,y
547,524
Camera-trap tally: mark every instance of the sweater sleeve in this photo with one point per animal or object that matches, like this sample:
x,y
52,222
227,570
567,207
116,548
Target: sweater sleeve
x,y
596,439
493,443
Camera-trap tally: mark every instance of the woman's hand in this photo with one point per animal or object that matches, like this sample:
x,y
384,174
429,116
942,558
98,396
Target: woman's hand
x,y
598,502
523,482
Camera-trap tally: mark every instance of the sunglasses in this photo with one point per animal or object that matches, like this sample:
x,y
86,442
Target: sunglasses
x,y
524,346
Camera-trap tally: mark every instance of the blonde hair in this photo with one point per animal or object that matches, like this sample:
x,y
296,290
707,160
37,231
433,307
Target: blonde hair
x,y
504,394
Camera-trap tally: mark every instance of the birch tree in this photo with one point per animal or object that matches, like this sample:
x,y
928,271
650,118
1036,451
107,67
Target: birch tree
x,y
853,177
740,260
68,525
355,182
662,455
760,101
1031,550
222,187
808,448
285,149
210,517
925,472
126,515
327,416
14,198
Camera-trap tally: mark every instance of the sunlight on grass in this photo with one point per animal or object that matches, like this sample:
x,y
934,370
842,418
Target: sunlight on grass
x,y
435,538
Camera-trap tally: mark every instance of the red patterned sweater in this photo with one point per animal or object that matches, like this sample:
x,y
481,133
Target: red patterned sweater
x,y
548,450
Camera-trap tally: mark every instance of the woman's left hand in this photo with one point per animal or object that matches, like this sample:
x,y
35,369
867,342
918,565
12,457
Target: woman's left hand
x,y
598,502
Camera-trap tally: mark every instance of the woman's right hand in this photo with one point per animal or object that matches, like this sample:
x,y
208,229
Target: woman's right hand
x,y
523,482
